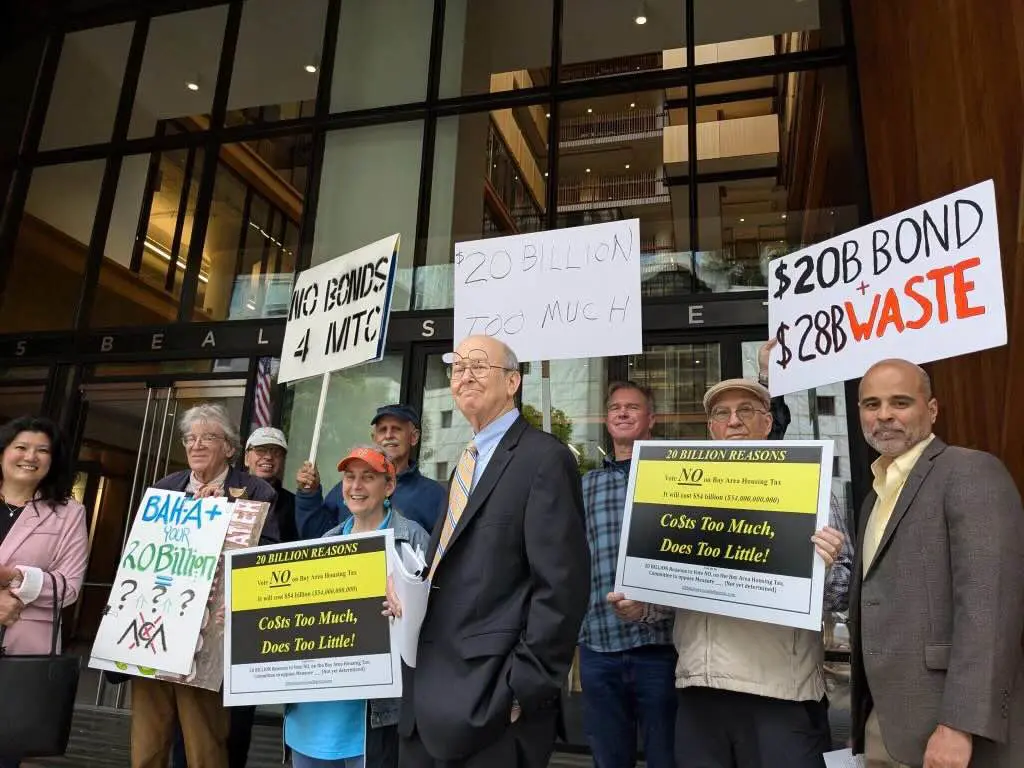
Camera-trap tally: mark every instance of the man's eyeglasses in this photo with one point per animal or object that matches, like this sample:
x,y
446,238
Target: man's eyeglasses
x,y
745,413
479,368
268,450
190,440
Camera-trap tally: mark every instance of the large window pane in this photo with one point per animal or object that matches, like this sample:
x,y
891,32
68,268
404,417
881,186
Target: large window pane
x,y
51,247
368,190
383,54
489,181
804,178
678,375
353,399
87,87
611,37
445,431
248,261
752,28
281,86
495,46
179,70
577,391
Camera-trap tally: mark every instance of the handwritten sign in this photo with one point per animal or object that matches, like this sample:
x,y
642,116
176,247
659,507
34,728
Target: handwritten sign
x,y
725,528
922,285
305,622
566,293
207,672
157,603
339,312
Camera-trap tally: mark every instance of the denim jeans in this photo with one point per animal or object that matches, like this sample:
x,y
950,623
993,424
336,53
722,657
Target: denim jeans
x,y
626,691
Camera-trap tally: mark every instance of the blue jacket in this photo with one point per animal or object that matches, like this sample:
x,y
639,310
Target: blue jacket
x,y
418,498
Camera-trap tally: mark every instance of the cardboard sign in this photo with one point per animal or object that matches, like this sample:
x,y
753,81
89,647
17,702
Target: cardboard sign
x,y
725,528
922,285
157,604
305,622
339,312
562,294
207,672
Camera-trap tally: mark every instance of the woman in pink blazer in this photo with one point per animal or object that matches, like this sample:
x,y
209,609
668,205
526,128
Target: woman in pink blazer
x,y
42,530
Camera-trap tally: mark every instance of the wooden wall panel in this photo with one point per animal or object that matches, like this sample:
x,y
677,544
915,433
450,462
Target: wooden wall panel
x,y
942,93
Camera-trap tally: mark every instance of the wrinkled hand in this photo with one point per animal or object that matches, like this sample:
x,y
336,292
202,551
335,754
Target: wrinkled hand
x,y
948,748
828,543
209,491
307,478
392,606
10,608
764,354
627,610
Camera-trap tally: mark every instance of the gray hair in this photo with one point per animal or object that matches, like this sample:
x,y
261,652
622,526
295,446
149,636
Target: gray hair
x,y
213,413
511,361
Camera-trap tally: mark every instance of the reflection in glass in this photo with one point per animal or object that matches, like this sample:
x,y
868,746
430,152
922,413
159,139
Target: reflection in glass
x,y
50,249
87,87
811,422
369,189
383,54
281,86
678,375
445,431
352,400
492,46
753,28
179,70
577,392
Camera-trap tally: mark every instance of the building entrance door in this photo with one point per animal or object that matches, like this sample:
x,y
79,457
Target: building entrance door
x,y
128,438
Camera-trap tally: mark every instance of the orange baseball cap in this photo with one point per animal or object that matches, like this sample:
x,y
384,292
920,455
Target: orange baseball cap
x,y
376,459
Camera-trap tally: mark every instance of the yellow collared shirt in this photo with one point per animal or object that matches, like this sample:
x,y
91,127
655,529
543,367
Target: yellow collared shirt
x,y
887,485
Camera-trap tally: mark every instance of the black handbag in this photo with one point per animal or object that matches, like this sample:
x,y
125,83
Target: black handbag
x,y
38,698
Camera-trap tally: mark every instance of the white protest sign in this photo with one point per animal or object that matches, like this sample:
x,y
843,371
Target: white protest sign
x,y
156,605
922,285
339,312
567,293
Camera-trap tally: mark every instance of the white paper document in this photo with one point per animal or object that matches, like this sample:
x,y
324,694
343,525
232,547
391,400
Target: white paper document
x,y
843,758
409,571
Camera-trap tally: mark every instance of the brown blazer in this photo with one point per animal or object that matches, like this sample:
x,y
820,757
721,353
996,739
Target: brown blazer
x,y
936,623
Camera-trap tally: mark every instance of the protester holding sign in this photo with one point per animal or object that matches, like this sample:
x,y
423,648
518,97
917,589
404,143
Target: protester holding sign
x,y
396,429
750,694
937,600
344,734
210,442
509,573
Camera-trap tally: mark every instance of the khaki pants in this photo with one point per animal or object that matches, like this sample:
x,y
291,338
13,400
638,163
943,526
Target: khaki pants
x,y
874,750
157,706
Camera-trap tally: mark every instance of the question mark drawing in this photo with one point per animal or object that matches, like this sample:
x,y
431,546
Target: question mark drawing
x,y
124,595
191,597
157,598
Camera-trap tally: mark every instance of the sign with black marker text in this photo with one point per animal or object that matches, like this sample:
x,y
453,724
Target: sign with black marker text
x,y
922,285
305,624
561,294
339,312
725,528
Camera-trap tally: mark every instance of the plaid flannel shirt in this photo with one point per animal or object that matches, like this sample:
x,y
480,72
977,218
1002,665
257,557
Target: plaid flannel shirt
x,y
604,500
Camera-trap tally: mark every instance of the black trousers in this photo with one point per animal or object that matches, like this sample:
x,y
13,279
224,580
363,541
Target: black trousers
x,y
725,729
526,743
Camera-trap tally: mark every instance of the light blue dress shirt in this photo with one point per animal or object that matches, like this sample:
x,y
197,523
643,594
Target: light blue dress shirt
x,y
487,439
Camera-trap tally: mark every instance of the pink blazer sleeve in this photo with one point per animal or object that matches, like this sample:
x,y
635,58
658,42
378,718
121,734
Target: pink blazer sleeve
x,y
65,557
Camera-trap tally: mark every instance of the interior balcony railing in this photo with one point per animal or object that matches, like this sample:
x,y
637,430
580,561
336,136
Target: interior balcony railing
x,y
588,70
629,122
605,191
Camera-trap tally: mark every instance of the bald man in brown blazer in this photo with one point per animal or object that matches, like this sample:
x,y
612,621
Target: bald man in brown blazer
x,y
937,595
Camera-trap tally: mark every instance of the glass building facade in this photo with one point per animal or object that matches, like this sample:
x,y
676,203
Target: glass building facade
x,y
175,170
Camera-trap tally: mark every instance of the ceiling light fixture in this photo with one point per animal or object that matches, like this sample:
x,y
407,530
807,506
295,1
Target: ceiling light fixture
x,y
641,14
589,110
742,220
627,166
632,105
547,114
783,215
588,170
192,85
311,68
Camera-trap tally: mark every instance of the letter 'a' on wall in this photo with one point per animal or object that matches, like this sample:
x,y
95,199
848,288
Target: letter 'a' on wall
x,y
565,293
923,285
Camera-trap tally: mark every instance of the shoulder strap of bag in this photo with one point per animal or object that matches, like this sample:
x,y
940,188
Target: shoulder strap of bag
x,y
58,603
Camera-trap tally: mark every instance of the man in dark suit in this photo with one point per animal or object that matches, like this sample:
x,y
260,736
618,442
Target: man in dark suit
x,y
510,575
937,599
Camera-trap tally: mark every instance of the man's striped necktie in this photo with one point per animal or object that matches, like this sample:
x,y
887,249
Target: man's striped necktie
x,y
458,497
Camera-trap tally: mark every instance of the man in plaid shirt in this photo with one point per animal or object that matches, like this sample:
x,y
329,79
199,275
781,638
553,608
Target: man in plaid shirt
x,y
627,669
